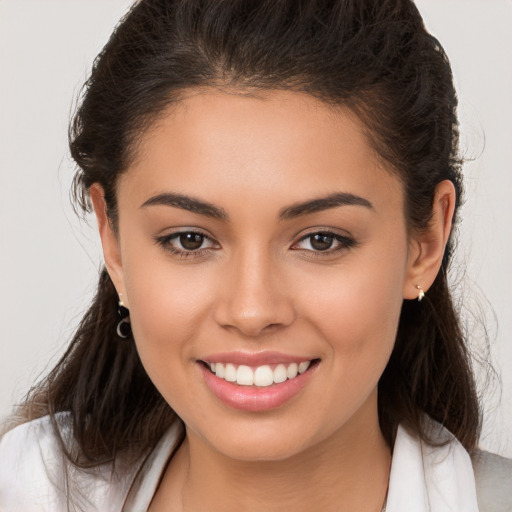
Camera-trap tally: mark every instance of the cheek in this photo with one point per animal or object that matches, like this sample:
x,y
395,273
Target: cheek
x,y
168,304
357,308
163,307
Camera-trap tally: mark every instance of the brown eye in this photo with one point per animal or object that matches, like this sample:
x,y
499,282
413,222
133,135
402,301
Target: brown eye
x,y
321,241
324,241
187,243
191,241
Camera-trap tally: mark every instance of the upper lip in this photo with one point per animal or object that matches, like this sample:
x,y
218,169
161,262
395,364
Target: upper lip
x,y
254,358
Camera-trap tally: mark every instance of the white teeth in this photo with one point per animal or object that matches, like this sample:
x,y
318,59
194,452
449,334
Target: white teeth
x,y
280,373
244,376
220,370
304,366
261,376
230,374
292,370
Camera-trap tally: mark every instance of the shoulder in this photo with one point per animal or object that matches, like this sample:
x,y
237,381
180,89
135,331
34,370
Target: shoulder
x,y
441,475
435,475
28,458
35,474
493,477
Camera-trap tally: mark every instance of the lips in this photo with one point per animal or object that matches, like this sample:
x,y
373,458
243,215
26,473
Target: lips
x,y
256,382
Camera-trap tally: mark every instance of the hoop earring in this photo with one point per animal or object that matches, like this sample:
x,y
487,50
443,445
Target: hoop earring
x,y
421,293
123,327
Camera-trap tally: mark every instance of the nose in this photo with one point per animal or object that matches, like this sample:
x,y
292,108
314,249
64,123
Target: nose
x,y
254,298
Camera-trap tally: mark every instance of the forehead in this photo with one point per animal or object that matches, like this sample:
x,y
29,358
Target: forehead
x,y
277,143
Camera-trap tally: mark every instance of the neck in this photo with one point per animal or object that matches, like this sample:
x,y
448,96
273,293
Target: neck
x,y
347,471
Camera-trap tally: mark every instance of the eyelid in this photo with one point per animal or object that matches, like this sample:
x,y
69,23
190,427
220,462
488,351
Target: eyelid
x,y
165,242
345,240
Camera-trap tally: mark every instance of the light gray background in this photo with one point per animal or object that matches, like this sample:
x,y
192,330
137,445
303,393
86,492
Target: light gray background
x,y
49,260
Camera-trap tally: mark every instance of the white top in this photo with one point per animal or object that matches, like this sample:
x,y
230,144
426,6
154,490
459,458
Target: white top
x,y
35,477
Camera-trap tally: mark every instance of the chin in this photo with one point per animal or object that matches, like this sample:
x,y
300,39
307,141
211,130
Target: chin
x,y
261,441
270,451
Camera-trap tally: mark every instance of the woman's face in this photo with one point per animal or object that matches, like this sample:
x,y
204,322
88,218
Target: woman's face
x,y
257,233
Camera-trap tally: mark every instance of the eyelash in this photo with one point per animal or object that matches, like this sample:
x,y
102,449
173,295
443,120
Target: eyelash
x,y
166,243
345,243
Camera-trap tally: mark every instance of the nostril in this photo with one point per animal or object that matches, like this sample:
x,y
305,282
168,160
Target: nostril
x,y
254,329
253,308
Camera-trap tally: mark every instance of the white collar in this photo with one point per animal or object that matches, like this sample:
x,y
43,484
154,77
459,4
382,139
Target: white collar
x,y
422,479
428,478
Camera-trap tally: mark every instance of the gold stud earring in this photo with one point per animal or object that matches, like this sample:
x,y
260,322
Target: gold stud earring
x,y
421,293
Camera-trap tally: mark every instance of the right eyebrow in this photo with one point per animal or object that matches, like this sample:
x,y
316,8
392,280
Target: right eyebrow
x,y
187,203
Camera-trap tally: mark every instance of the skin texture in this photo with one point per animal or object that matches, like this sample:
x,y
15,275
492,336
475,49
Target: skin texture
x,y
257,284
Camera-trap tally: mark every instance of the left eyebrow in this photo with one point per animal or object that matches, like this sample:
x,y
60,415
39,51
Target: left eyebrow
x,y
324,203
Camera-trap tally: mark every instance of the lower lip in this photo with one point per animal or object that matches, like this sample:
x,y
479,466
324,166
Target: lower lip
x,y
253,398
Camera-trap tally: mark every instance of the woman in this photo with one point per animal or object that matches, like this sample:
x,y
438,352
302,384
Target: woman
x,y
275,185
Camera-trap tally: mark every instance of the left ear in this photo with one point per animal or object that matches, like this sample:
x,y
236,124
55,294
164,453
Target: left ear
x,y
427,246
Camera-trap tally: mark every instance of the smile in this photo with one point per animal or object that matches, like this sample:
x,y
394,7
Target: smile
x,y
256,383
260,376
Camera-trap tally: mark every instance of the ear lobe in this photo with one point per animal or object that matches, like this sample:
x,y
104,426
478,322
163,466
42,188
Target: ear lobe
x,y
109,239
428,246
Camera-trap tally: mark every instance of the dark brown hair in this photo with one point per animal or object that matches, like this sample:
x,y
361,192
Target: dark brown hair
x,y
372,56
